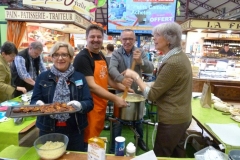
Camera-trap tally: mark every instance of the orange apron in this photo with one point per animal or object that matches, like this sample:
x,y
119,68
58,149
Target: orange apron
x,y
96,117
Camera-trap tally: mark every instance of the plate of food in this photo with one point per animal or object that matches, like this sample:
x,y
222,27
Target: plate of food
x,y
36,110
235,111
236,118
222,106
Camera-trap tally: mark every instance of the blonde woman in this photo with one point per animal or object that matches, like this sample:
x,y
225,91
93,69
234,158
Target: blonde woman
x,y
63,84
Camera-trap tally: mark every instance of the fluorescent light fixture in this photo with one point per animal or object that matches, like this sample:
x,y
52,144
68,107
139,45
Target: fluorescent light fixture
x,y
229,31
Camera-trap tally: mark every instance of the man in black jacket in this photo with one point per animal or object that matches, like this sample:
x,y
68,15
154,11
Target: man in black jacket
x,y
26,66
226,50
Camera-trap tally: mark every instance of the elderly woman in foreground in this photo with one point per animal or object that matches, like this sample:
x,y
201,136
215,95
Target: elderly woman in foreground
x,y
171,91
63,84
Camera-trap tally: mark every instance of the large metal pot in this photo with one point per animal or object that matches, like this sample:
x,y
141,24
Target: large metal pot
x,y
135,109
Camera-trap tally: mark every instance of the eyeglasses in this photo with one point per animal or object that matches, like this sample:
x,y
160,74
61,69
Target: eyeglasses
x,y
127,39
62,55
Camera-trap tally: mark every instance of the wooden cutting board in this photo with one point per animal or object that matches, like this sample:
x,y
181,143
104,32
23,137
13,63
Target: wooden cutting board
x,y
83,156
74,156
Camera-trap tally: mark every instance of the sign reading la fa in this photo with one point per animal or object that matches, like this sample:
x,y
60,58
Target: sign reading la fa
x,y
232,25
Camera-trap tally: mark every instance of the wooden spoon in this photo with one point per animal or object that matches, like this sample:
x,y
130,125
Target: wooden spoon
x,y
126,89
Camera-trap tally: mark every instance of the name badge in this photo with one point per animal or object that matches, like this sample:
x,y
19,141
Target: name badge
x,y
79,82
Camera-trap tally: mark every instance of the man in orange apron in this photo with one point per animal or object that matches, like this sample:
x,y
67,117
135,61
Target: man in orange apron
x,y
92,63
97,115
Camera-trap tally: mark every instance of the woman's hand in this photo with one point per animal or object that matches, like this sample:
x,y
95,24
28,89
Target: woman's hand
x,y
130,74
21,89
130,90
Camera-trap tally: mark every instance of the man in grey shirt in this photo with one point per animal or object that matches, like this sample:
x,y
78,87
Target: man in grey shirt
x,y
121,60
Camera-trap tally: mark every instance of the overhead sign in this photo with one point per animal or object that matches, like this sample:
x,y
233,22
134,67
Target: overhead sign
x,y
139,15
211,24
80,6
47,16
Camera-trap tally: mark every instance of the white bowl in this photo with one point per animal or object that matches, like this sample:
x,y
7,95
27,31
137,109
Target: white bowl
x,y
51,146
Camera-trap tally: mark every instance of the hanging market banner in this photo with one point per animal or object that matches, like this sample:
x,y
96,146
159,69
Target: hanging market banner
x,y
47,16
80,6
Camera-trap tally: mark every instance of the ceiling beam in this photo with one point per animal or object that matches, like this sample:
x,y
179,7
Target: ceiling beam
x,y
235,1
195,15
206,6
230,14
186,9
200,5
213,10
190,12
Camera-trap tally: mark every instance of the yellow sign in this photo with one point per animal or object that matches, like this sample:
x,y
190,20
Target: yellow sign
x,y
211,24
47,16
79,6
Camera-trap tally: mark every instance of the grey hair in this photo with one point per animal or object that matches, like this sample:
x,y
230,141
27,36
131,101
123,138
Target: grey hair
x,y
57,45
172,32
37,45
128,30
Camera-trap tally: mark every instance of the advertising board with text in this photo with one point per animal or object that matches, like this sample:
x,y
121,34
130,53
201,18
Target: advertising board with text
x,y
139,15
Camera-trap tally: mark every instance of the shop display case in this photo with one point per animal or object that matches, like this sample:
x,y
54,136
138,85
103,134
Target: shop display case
x,y
203,45
219,68
212,45
223,74
213,65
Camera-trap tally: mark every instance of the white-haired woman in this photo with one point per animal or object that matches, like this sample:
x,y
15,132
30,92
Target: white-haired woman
x,y
171,91
63,84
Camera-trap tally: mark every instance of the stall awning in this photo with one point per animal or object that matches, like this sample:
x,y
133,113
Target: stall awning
x,y
47,16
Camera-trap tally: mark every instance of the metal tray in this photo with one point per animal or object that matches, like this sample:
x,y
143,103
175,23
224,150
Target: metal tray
x,y
11,114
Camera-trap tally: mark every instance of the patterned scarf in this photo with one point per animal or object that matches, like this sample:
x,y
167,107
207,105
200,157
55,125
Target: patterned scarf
x,y
173,51
62,92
